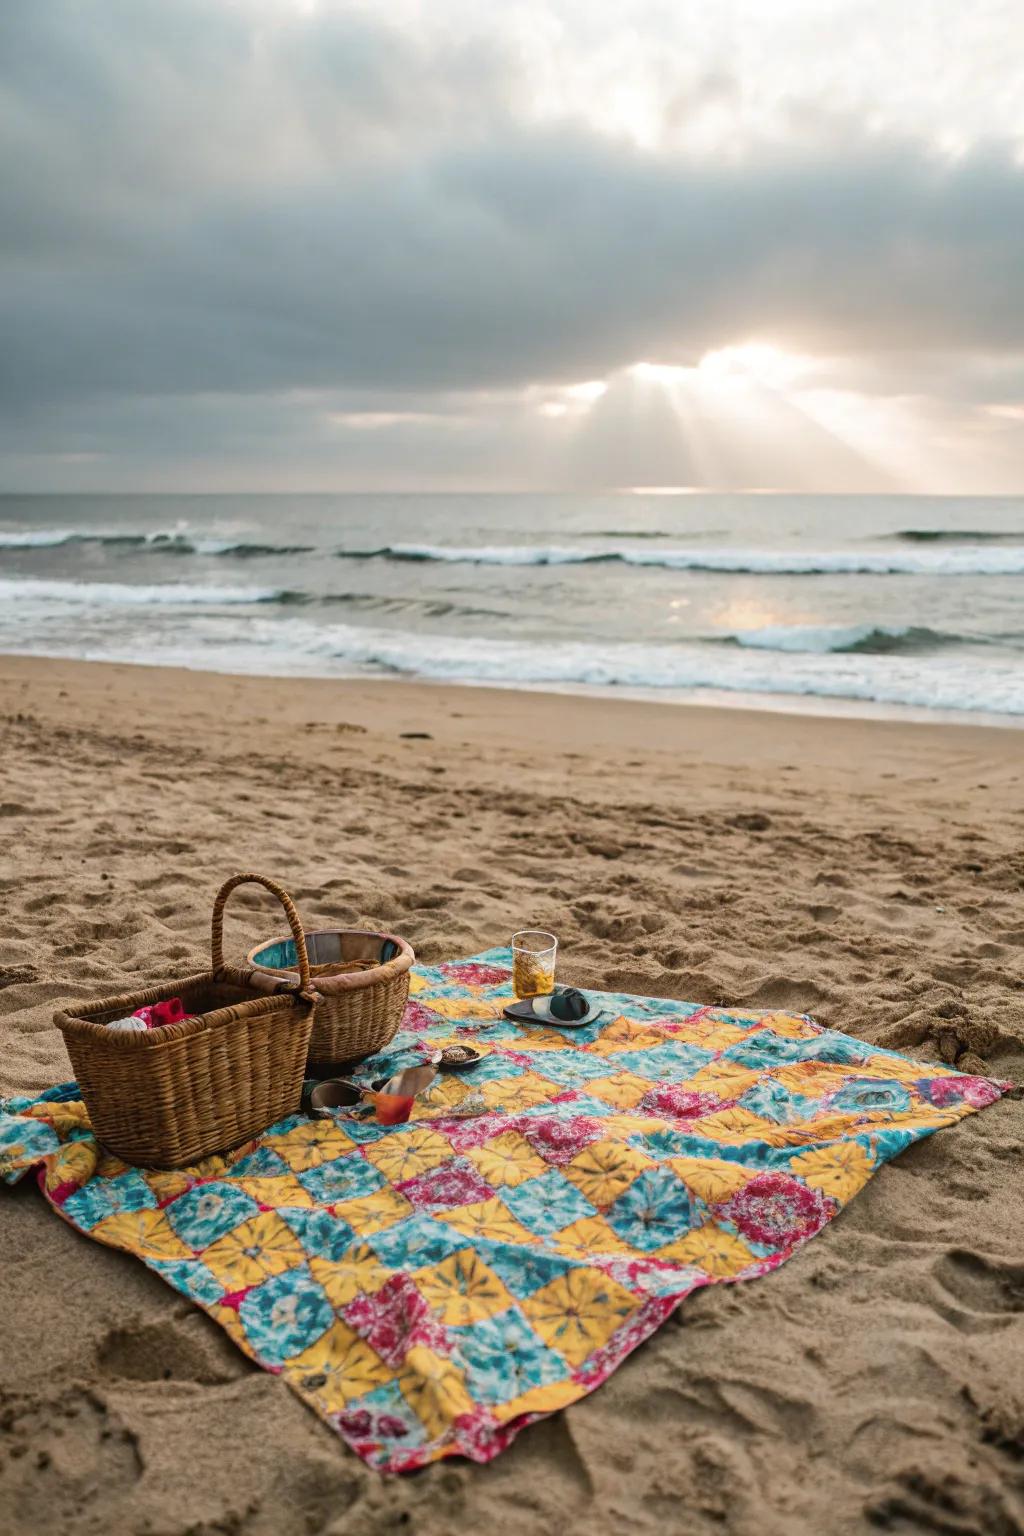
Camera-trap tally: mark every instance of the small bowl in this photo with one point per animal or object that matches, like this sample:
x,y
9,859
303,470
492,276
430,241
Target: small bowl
x,y
335,1093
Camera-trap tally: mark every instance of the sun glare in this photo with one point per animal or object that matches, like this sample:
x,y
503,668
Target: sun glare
x,y
589,391
659,373
663,490
748,415
755,362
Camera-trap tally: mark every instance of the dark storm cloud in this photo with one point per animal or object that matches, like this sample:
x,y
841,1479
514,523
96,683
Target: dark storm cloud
x,y
192,202
539,256
225,229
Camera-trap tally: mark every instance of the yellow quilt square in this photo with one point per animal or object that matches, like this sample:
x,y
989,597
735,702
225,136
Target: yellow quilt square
x,y
445,1093
489,1219
579,1311
923,1115
507,1161
559,1394
462,1289
262,1246
359,1273
790,1026
717,1252
735,1125
591,1234
339,1367
840,1170
233,1326
168,1183
372,1213
308,1145
712,1178
810,1131
826,1128
624,1034
64,1117
624,1089
75,1163
624,1126
467,1007
813,1079
276,1190
726,1078
522,1092
539,1038
405,1154
146,1233
434,1389
719,1034
217,1166
604,1170
889,1067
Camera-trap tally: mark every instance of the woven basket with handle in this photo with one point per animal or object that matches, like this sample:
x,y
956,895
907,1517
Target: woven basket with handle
x,y
361,980
167,1097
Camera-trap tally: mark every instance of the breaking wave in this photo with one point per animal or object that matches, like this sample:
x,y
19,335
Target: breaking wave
x,y
857,639
172,542
934,552
957,561
104,594
295,646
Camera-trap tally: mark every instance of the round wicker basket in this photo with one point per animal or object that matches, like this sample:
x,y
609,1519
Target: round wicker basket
x,y
361,981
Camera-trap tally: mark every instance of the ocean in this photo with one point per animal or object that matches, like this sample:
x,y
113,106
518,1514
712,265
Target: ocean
x,y
863,604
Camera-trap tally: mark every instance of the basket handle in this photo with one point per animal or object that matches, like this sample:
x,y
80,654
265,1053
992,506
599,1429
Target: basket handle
x,y
294,922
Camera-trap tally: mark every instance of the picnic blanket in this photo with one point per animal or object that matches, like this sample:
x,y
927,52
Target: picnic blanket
x,y
430,1288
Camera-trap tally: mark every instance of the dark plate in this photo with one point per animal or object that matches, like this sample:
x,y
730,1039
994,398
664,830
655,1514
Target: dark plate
x,y
470,1060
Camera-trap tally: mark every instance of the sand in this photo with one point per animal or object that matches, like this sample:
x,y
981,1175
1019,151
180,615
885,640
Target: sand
x,y
871,873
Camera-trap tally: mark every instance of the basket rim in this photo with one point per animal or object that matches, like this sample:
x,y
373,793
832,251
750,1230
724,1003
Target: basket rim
x,y
75,1018
346,981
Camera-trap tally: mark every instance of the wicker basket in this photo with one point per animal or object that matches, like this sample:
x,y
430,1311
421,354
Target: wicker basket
x,y
167,1097
361,980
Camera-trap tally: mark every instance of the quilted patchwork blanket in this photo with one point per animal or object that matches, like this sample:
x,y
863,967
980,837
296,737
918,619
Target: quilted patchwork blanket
x,y
433,1287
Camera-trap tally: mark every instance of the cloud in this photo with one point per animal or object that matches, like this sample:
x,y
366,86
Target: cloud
x,y
299,215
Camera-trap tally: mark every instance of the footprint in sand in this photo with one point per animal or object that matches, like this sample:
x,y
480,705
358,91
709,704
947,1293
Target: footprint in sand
x,y
988,1293
186,1349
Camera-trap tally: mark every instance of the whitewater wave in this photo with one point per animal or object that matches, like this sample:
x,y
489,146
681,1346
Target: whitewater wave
x,y
170,541
53,538
856,639
294,646
955,561
102,594
933,552
37,538
919,681
241,550
483,554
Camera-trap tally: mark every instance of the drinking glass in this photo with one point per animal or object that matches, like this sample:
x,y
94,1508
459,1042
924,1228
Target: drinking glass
x,y
533,962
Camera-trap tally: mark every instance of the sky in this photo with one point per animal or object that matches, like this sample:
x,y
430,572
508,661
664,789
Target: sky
x,y
572,245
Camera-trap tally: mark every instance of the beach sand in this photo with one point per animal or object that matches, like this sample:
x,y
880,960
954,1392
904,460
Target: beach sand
x,y
869,873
